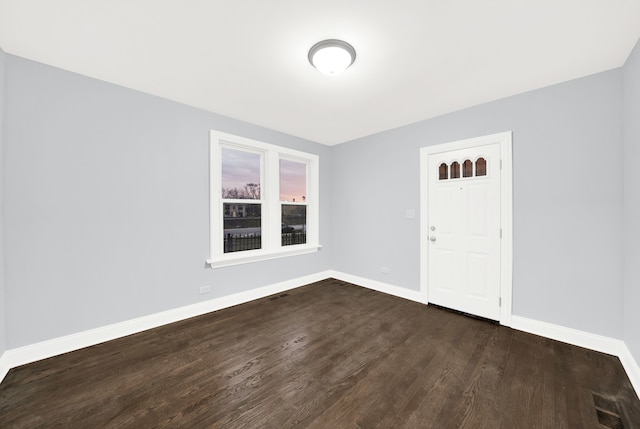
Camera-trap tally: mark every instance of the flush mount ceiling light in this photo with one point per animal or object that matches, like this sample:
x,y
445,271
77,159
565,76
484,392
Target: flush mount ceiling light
x,y
332,56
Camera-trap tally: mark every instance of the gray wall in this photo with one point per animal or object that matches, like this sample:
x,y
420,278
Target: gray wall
x,y
631,130
107,205
3,330
567,200
106,202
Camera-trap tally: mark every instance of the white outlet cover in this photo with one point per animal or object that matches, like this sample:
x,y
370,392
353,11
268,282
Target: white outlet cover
x,y
411,214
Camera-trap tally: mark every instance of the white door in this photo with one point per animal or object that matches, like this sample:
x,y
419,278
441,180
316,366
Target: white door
x,y
464,230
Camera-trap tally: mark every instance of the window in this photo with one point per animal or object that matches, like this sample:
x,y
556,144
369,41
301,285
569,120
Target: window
x,y
293,186
242,206
264,201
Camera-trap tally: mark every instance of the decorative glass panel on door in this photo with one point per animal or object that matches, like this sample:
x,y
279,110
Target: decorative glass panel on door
x,y
467,168
455,170
443,171
481,167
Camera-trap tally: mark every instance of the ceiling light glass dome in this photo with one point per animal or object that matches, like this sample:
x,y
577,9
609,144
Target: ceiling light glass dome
x,y
332,56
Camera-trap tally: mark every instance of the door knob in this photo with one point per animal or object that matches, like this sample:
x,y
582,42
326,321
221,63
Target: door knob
x,y
432,238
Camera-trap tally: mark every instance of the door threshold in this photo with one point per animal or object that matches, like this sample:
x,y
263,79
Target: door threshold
x,y
473,316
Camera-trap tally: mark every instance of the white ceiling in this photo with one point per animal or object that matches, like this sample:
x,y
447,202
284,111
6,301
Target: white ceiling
x,y
247,59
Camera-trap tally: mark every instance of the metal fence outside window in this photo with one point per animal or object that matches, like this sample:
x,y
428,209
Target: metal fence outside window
x,y
240,242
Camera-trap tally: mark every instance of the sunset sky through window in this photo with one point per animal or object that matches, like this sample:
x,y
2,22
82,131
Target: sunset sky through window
x,y
241,167
293,181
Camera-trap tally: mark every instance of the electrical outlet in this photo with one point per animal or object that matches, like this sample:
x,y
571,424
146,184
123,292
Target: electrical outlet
x,y
205,289
385,270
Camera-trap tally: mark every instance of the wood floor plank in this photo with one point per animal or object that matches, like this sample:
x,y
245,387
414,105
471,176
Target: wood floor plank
x,y
326,355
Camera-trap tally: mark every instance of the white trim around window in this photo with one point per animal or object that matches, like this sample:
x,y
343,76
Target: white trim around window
x,y
269,229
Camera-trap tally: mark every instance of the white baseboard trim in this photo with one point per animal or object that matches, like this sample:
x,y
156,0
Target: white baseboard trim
x,y
631,367
584,339
575,337
4,366
45,349
56,346
389,289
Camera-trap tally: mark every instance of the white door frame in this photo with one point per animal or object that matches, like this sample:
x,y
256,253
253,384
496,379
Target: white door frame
x,y
506,214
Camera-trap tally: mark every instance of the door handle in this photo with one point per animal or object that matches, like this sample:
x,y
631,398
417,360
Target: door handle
x,y
432,238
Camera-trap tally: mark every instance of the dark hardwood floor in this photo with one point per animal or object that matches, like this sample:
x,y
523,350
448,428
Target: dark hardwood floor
x,y
327,355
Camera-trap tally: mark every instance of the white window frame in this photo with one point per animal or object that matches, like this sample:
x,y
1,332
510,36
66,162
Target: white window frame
x,y
271,211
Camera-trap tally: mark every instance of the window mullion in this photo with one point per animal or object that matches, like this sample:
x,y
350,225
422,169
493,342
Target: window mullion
x,y
271,200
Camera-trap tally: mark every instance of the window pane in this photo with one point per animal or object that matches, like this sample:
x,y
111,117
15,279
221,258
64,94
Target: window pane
x,y
240,174
294,224
293,181
481,167
455,170
467,168
443,171
242,227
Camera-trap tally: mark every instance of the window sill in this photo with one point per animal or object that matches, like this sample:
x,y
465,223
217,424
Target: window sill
x,y
237,258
